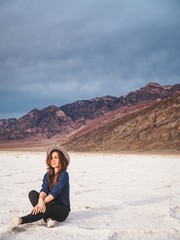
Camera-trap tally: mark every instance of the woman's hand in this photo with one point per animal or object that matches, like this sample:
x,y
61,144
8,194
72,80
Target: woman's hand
x,y
40,207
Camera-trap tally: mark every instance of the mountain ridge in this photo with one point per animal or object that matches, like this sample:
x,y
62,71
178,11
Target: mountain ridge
x,y
66,122
141,130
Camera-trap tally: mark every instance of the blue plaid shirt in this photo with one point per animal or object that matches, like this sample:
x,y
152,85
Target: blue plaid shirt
x,y
60,191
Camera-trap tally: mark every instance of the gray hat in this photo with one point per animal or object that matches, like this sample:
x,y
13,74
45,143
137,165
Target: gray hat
x,y
61,149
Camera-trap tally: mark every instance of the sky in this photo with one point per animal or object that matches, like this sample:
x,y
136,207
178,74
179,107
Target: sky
x,y
57,52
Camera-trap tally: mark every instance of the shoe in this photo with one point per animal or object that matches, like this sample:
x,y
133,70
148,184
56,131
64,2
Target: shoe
x,y
16,221
43,222
51,223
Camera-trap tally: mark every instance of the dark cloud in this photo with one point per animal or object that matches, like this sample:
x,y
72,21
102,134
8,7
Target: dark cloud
x,y
56,52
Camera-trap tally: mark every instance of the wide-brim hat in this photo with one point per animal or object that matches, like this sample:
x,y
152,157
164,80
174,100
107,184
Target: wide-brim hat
x,y
59,148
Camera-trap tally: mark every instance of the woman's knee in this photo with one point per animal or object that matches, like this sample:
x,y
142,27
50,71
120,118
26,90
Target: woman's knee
x,y
33,197
32,193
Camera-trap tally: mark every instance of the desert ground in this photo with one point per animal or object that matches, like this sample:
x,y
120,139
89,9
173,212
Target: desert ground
x,y
113,196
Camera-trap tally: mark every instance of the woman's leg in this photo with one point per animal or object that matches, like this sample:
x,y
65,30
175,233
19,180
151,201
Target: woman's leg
x,y
32,217
53,211
57,212
34,197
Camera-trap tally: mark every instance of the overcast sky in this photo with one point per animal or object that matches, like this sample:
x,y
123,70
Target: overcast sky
x,y
54,52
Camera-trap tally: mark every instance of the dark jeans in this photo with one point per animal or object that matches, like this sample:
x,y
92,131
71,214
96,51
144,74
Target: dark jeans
x,y
53,210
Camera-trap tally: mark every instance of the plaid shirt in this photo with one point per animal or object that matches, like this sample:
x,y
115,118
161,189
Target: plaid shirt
x,y
60,191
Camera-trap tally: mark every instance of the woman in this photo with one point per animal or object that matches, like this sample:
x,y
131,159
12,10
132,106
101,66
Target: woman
x,y
52,203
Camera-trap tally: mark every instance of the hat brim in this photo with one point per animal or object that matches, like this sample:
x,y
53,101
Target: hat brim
x,y
59,148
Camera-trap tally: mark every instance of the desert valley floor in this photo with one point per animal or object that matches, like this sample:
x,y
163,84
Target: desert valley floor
x,y
113,196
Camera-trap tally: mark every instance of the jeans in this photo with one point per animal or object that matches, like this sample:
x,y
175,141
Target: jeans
x,y
53,210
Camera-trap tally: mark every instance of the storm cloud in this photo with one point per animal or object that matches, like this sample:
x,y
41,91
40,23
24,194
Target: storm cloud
x,y
56,52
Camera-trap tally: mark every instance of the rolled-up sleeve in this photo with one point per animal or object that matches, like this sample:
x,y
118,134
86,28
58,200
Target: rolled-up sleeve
x,y
62,180
45,186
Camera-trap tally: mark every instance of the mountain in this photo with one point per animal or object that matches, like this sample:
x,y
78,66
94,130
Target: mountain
x,y
156,127
68,121
37,123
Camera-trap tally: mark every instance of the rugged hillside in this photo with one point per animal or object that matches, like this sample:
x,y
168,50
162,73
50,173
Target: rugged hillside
x,y
155,127
104,120
52,121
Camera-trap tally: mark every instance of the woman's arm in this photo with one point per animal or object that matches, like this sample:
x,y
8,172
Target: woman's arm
x,y
49,198
40,207
41,202
42,195
43,199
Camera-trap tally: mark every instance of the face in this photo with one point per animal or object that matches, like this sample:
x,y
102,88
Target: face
x,y
55,161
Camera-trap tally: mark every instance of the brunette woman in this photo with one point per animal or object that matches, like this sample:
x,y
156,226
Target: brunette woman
x,y
52,203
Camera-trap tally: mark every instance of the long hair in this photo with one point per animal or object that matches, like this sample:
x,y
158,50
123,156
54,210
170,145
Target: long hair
x,y
52,177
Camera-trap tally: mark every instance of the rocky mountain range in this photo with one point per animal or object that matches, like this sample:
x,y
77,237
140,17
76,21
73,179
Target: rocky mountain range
x,y
68,122
156,127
